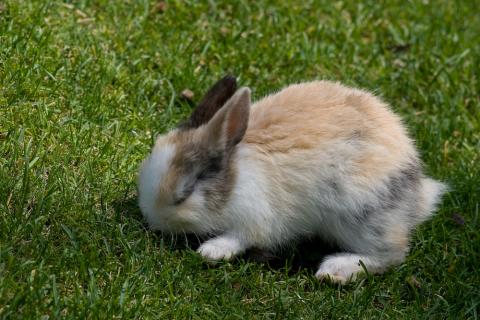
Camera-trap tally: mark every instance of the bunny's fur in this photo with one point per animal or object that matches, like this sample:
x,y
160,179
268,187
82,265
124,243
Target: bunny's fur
x,y
315,159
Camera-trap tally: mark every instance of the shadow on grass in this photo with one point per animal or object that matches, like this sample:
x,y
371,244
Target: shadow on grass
x,y
306,254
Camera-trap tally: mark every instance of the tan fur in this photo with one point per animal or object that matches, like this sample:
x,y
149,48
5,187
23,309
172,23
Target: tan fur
x,y
181,140
315,115
397,237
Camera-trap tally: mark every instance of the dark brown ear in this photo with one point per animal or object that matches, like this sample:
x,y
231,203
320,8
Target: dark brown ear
x,y
213,100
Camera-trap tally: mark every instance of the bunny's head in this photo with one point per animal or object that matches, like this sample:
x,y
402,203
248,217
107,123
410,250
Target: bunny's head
x,y
189,175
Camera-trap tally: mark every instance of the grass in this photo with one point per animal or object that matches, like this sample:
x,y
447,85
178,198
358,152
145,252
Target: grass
x,y
86,85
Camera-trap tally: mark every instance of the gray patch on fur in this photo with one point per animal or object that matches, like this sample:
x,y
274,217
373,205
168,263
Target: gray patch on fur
x,y
400,187
408,180
334,185
356,137
377,230
209,170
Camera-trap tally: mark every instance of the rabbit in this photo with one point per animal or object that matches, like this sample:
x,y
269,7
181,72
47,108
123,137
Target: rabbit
x,y
314,159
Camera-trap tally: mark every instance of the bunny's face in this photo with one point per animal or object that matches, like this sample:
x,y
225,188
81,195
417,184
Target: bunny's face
x,y
182,179
188,176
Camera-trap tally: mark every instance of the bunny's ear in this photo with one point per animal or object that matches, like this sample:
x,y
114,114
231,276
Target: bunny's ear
x,y
213,100
228,126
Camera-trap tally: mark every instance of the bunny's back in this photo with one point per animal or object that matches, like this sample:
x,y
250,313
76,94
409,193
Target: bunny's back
x,y
326,121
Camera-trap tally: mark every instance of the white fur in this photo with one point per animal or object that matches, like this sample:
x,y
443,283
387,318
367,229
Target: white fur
x,y
433,191
266,211
150,178
223,247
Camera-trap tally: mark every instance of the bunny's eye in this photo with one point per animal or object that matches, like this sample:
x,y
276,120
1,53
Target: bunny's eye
x,y
179,199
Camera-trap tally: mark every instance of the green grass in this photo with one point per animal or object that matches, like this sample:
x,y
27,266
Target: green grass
x,y
86,86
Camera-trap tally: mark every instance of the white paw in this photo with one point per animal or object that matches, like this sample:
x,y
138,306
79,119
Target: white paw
x,y
220,249
340,269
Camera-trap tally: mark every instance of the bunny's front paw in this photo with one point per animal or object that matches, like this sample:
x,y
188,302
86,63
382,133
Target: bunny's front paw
x,y
221,248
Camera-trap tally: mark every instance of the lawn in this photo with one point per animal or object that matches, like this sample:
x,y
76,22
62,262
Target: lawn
x,y
85,86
